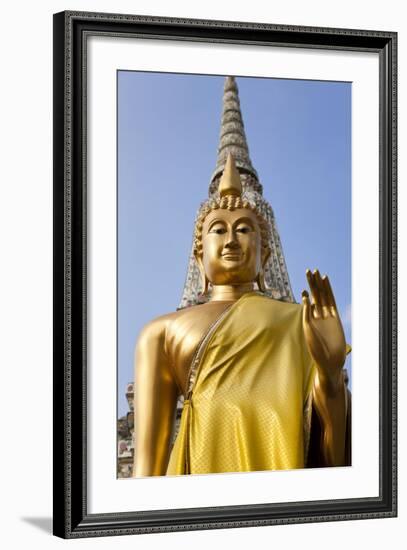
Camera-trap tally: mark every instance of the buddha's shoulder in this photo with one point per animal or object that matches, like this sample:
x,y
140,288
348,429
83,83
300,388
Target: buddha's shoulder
x,y
262,301
157,328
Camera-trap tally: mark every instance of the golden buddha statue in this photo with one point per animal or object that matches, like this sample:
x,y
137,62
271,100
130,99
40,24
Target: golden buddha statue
x,y
253,371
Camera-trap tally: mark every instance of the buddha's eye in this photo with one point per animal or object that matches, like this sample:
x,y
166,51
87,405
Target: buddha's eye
x,y
244,229
218,229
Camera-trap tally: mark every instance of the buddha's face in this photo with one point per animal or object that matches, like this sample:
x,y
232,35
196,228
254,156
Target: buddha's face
x,y
231,246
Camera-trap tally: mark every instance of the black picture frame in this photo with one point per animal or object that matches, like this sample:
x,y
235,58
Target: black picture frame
x,y
71,518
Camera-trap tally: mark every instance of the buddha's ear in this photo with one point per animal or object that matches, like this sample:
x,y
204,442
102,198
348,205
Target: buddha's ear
x,y
265,257
260,277
204,278
260,281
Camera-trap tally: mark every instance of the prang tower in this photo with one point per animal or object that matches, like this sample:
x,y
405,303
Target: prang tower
x,y
233,140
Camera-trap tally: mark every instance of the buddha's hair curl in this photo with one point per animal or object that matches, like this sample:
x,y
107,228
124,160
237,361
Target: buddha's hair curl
x,y
231,202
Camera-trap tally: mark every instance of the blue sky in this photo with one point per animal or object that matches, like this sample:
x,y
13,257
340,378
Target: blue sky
x,y
299,137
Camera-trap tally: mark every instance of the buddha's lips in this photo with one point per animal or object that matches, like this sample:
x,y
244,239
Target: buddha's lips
x,y
231,256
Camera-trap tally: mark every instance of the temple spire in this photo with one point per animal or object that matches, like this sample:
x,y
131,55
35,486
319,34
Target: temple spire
x,y
232,133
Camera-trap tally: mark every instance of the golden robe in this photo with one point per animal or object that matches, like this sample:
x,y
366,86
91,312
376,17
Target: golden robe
x,y
249,402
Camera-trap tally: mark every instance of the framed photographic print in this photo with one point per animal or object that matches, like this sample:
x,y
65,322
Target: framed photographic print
x,y
200,169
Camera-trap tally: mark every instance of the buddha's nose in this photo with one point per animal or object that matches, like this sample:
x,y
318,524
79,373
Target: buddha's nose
x,y
232,241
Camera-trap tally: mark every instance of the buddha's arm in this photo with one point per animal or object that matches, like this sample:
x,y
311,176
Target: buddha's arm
x,y
155,402
326,343
330,401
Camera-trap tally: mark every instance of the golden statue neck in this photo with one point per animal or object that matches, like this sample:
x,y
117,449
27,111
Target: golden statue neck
x,y
230,292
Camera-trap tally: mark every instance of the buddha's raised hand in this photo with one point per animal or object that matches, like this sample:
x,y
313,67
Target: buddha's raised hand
x,y
323,328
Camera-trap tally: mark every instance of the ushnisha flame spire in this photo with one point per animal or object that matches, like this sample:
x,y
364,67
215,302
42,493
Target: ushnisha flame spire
x,y
230,183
